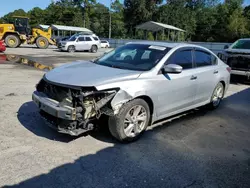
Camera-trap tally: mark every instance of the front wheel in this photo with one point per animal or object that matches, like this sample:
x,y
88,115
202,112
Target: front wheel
x,y
217,96
131,121
71,49
42,42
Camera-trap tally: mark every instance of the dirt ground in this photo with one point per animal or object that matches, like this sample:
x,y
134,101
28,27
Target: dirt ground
x,y
200,149
52,56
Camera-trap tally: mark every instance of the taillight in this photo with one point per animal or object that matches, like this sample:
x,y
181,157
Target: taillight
x,y
229,69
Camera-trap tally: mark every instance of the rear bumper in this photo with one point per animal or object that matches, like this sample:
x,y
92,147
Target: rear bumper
x,y
241,73
52,107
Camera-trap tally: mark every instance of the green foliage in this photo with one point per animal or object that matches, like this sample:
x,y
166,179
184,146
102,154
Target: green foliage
x,y
203,20
19,12
150,36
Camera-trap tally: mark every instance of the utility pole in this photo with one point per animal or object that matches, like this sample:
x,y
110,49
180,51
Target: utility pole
x,y
110,19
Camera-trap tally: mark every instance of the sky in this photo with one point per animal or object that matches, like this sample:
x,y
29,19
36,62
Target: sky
x,y
11,5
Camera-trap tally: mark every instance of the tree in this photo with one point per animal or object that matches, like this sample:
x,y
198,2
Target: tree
x,y
246,12
118,25
86,6
177,14
238,24
19,12
100,20
137,12
36,16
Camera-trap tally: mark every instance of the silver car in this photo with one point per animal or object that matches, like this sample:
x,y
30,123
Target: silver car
x,y
80,43
158,80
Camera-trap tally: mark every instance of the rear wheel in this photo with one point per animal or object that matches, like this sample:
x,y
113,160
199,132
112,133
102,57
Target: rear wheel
x,y
94,49
71,49
131,121
12,41
42,42
217,96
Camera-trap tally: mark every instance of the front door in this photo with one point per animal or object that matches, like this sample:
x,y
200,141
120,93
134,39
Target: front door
x,y
80,43
177,91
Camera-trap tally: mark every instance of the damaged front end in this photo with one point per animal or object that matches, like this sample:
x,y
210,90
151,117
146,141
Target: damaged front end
x,y
72,110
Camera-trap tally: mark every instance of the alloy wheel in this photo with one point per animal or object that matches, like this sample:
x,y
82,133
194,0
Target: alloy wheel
x,y
135,121
217,95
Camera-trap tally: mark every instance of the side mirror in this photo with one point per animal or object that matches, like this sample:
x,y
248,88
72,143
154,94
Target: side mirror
x,y
226,47
172,68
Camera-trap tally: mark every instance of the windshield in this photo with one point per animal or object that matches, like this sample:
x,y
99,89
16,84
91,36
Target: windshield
x,y
241,44
73,38
138,57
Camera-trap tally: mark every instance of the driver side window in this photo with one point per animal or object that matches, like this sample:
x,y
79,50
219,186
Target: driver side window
x,y
183,58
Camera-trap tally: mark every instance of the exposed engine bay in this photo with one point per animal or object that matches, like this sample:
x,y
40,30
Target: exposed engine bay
x,y
72,110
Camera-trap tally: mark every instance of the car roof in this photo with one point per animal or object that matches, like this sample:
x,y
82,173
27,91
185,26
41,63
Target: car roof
x,y
168,44
92,35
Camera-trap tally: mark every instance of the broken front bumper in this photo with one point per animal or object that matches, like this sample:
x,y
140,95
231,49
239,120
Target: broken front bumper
x,y
53,108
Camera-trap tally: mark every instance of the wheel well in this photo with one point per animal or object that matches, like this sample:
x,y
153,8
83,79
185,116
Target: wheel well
x,y
149,101
10,33
223,83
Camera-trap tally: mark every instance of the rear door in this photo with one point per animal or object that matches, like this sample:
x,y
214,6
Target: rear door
x,y
207,72
89,43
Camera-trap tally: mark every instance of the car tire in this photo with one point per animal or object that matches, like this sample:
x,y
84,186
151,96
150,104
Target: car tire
x,y
71,49
12,41
126,126
42,43
217,96
94,49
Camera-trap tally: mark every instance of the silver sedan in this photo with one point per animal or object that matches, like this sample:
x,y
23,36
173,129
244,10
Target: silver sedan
x,y
134,86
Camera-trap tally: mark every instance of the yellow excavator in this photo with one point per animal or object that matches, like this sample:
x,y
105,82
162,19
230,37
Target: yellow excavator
x,y
19,32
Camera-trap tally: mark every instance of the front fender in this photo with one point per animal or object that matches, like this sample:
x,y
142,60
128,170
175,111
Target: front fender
x,y
124,96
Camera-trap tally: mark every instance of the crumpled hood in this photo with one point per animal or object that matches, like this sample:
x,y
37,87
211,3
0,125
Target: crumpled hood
x,y
88,74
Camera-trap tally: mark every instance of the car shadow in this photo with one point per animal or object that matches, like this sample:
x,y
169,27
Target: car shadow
x,y
29,116
158,160
57,50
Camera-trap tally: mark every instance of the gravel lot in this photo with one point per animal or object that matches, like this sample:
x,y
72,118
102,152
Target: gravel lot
x,y
200,149
52,56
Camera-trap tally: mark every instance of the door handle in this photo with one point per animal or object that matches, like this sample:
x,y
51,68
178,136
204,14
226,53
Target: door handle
x,y
216,72
193,77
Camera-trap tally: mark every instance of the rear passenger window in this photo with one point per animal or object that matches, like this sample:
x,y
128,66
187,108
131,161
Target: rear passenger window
x,y
182,58
81,39
88,39
203,58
